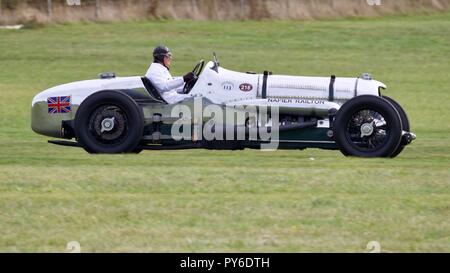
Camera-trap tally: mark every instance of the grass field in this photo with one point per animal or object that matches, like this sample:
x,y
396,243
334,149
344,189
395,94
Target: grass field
x,y
211,201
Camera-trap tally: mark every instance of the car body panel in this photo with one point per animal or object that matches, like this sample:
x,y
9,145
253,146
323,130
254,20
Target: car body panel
x,y
293,95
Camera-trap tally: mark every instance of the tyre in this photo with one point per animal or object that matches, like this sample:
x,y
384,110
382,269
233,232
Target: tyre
x,y
405,123
137,150
109,122
367,126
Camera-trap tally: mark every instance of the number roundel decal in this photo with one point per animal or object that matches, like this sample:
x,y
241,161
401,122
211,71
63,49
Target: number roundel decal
x,y
245,87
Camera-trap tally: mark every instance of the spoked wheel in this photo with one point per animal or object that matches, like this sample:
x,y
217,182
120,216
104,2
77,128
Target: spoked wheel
x,y
405,123
109,122
368,126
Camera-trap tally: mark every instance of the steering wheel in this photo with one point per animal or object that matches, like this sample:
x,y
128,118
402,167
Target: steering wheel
x,y
196,71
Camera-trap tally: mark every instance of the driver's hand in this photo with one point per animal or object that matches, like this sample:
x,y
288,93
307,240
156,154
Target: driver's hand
x,y
188,77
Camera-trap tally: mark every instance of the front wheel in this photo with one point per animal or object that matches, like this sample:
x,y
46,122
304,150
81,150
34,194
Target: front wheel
x,y
367,126
109,122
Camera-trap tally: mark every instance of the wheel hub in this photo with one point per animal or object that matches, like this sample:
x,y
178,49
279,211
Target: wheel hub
x,y
367,129
107,124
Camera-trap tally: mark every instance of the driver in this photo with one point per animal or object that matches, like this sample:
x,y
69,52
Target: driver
x,y
170,88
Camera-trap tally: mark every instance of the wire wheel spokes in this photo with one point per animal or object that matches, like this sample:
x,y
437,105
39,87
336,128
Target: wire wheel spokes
x,y
367,129
108,124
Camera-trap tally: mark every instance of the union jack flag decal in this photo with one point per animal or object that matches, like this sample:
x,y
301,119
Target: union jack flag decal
x,y
59,105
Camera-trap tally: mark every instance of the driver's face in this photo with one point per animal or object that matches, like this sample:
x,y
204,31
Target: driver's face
x,y
167,60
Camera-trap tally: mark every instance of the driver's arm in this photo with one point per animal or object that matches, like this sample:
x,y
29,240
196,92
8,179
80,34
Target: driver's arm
x,y
163,84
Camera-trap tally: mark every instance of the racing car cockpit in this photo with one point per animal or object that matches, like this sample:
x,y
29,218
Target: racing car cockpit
x,y
187,86
152,90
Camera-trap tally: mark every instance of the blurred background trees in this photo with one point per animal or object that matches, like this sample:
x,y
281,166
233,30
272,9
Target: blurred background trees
x,y
44,11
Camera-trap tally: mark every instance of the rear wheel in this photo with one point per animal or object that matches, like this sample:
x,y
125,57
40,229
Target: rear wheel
x,y
368,126
405,123
109,122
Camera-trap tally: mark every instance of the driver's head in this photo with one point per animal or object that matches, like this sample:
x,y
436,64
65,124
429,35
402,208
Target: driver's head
x,y
162,55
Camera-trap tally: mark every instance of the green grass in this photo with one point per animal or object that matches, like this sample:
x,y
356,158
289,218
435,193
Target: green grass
x,y
208,201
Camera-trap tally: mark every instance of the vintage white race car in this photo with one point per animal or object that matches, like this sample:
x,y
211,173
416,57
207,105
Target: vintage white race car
x,y
126,114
